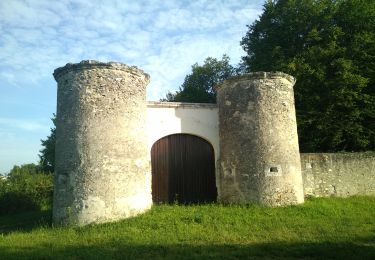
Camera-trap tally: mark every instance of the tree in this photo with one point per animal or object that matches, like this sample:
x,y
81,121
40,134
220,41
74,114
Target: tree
x,y
329,46
25,169
47,154
26,188
199,86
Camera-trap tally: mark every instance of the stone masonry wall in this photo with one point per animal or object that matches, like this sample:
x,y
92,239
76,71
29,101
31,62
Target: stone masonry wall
x,y
102,167
338,174
259,155
102,161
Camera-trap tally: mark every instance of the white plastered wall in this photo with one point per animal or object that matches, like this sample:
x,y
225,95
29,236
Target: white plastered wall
x,y
166,118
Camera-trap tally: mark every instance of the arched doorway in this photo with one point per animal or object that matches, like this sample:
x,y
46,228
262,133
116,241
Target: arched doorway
x,y
183,170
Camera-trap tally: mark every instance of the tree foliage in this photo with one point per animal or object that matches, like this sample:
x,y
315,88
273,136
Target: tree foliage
x,y
329,46
47,154
199,86
25,188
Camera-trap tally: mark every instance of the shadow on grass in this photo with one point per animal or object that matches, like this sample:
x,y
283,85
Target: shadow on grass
x,y
24,222
121,250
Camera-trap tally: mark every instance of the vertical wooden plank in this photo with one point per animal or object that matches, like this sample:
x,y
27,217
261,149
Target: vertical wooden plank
x,y
183,168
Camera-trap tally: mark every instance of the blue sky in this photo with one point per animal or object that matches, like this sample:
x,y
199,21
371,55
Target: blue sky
x,y
164,38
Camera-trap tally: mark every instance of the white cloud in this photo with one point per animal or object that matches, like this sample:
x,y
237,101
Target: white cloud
x,y
163,38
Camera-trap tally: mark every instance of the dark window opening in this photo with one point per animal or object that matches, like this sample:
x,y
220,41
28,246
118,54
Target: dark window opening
x,y
274,169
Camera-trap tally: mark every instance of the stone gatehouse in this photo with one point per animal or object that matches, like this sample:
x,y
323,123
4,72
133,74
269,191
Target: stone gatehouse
x,y
116,153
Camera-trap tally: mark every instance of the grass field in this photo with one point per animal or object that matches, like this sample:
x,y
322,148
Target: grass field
x,y
320,228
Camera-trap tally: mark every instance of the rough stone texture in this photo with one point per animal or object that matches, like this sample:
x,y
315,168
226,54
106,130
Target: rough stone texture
x,y
259,154
338,174
102,161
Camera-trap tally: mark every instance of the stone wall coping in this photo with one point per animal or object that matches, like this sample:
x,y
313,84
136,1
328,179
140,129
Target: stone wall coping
x,y
157,104
341,154
92,64
257,75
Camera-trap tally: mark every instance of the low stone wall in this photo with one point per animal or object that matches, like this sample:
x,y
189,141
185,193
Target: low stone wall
x,y
338,174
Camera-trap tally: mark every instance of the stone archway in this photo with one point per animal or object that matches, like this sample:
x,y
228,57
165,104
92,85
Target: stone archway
x,y
183,170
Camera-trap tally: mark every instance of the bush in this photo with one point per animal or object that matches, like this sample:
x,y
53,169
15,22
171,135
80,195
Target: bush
x,y
14,202
26,188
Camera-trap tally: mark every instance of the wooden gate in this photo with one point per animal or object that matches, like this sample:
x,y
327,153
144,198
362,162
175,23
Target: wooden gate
x,y
183,170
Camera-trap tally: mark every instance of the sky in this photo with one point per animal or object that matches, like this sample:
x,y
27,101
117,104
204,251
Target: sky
x,y
164,38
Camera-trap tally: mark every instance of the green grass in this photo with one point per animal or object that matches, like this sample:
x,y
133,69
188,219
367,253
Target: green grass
x,y
320,228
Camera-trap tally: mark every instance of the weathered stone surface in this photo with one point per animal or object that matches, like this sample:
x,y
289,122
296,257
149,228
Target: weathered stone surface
x,y
102,161
338,174
102,156
259,154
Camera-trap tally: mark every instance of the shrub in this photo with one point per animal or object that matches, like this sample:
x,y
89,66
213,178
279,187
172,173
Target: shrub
x,y
26,188
14,202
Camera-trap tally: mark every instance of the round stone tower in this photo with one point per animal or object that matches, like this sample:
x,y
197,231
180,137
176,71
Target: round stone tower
x,y
259,154
102,169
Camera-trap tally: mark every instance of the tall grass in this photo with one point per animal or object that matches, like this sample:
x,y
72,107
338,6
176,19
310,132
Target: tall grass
x,y
320,228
